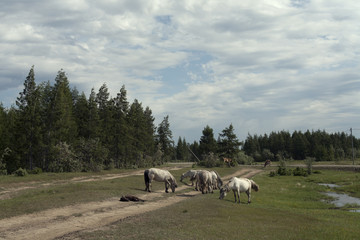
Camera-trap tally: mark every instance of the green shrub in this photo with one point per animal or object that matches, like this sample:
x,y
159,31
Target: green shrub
x,y
300,172
283,171
36,170
272,174
210,160
20,172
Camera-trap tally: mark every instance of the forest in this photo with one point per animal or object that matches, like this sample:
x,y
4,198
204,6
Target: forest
x,y
55,128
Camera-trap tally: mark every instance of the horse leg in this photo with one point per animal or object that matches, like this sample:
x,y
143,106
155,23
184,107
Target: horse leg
x,y
166,187
149,186
234,195
249,196
167,184
238,193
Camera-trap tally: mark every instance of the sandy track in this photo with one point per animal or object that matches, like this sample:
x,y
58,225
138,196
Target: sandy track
x,y
55,223
7,193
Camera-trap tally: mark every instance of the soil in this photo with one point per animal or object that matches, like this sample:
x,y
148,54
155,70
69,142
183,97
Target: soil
x,y
61,222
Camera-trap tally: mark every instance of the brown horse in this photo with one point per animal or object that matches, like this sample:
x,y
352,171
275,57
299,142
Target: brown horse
x,y
227,161
267,163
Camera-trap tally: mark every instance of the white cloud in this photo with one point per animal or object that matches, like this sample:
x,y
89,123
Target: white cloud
x,y
268,66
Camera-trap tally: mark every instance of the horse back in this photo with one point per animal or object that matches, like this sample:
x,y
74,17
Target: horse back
x,y
241,184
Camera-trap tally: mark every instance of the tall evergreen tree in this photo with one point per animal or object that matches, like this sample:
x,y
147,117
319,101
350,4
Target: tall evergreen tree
x,y
82,115
29,121
207,141
64,125
94,119
164,137
229,143
121,130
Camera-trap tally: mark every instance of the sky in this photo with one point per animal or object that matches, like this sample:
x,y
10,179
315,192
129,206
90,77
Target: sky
x,y
262,66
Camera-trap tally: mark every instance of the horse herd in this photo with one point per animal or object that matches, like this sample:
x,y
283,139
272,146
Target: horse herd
x,y
205,181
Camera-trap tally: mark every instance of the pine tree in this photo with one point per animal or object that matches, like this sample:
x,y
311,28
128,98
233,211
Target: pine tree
x,y
229,143
64,126
164,137
121,130
94,120
207,141
28,121
135,121
82,115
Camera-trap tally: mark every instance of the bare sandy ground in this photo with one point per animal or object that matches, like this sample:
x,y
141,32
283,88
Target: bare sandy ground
x,y
55,223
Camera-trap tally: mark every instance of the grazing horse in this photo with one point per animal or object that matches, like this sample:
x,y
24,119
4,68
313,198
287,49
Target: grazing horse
x,y
216,180
204,179
267,163
156,174
190,174
227,161
239,185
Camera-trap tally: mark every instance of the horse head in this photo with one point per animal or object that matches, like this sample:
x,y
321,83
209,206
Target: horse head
x,y
254,186
173,184
182,177
223,191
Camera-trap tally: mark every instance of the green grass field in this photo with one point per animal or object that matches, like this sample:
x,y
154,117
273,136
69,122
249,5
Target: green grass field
x,y
286,207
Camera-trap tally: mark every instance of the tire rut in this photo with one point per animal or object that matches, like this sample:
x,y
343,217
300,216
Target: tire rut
x,y
55,223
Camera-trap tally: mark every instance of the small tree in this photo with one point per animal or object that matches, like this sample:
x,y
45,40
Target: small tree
x,y
228,143
65,159
164,137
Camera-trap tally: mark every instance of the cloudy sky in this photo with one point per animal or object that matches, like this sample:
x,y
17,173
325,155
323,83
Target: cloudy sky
x,y
261,65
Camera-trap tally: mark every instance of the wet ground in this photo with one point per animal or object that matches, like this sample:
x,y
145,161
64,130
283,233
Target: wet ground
x,y
340,199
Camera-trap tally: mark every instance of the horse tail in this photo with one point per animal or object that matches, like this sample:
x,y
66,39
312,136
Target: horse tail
x,y
146,177
254,186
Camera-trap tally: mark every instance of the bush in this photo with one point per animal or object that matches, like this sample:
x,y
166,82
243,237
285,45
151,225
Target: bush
x,y
64,159
210,160
36,170
20,172
283,171
241,158
300,172
272,174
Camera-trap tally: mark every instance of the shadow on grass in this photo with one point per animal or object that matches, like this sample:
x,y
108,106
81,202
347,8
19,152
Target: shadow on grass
x,y
186,195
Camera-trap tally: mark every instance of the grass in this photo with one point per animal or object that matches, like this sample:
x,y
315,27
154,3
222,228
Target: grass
x,y
55,196
286,207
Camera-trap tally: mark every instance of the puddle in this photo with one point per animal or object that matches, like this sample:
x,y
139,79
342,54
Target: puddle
x,y
343,199
340,199
330,185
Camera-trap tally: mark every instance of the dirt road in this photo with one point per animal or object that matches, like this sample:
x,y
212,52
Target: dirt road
x,y
55,223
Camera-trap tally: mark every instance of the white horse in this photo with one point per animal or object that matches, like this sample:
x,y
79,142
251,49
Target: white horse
x,y
204,179
190,174
155,174
216,180
239,185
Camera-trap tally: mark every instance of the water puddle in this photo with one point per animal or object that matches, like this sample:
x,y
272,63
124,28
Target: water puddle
x,y
340,199
330,185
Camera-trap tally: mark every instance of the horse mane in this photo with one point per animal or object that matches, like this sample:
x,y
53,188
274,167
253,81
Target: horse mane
x,y
219,178
254,186
173,180
227,186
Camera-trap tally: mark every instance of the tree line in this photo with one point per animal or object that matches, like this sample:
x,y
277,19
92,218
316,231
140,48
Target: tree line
x,y
320,145
277,146
56,128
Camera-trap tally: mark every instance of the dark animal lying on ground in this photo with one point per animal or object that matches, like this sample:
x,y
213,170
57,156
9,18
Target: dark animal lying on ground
x,y
132,198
